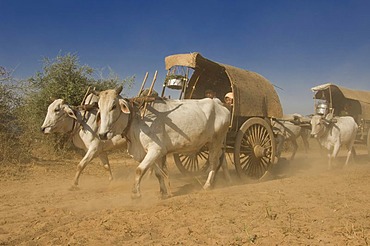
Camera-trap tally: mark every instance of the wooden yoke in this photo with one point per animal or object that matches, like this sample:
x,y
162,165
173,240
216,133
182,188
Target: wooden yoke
x,y
149,93
142,84
87,92
87,107
83,101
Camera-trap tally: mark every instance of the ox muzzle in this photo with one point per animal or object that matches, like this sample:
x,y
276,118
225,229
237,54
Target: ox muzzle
x,y
45,129
103,136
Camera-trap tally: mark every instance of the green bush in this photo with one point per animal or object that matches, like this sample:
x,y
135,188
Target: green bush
x,y
23,107
11,148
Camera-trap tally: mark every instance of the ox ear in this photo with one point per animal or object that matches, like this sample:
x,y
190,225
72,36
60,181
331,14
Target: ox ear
x,y
125,108
98,118
118,89
329,116
70,112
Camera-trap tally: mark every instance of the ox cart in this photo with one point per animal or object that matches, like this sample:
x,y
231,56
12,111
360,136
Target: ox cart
x,y
337,100
255,104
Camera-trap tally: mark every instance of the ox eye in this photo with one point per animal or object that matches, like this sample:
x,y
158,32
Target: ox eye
x,y
56,110
113,107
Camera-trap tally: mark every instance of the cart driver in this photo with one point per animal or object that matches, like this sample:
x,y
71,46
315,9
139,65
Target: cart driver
x,y
229,98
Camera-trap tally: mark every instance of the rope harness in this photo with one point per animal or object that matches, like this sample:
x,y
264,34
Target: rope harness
x,y
85,117
325,130
134,104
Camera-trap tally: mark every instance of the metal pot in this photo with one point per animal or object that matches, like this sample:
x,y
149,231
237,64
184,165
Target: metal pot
x,y
322,109
175,83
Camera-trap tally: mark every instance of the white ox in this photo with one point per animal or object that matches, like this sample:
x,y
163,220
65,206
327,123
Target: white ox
x,y
169,126
82,127
333,134
288,131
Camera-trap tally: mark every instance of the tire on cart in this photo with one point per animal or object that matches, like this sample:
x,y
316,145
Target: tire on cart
x,y
255,148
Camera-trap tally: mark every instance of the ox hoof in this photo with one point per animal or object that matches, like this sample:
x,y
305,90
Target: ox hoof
x,y
135,196
74,188
207,187
165,196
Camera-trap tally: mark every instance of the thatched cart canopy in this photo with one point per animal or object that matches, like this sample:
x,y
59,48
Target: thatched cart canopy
x,y
254,95
339,96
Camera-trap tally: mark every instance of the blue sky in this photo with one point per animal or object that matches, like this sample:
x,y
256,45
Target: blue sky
x,y
294,44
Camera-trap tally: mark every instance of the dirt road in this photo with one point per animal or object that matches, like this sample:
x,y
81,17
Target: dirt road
x,y
304,204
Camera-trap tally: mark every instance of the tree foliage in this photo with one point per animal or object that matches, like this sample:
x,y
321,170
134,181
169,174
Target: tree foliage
x,y
63,77
10,127
26,104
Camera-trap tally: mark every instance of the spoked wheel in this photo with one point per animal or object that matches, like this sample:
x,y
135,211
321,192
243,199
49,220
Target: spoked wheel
x,y
254,148
192,164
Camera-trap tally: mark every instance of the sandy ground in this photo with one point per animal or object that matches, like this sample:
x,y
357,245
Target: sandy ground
x,y
303,204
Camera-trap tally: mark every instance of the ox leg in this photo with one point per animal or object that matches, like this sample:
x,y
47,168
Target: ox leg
x,y
150,158
161,172
349,152
279,146
306,144
210,179
333,154
295,147
354,154
90,154
105,161
223,164
214,159
348,156
330,160
136,189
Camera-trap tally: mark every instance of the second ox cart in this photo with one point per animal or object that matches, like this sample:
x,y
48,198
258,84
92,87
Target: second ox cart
x,y
335,100
256,104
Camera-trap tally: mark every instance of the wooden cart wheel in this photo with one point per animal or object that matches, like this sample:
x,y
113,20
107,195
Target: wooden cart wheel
x,y
192,164
254,148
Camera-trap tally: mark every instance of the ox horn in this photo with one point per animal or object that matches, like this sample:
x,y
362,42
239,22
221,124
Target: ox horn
x,y
95,92
119,89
